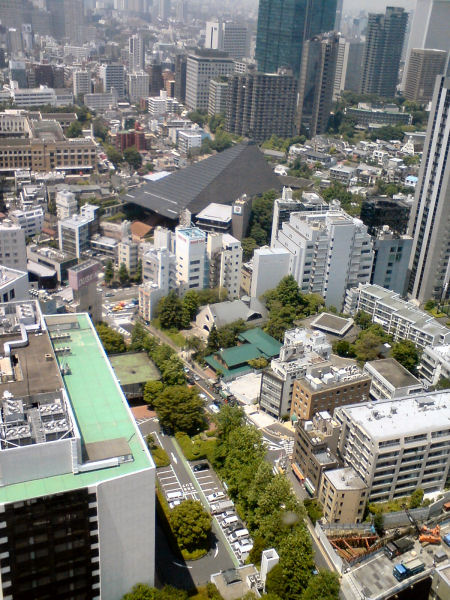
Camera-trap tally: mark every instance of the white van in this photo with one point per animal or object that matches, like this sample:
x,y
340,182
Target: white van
x,y
175,496
244,550
239,534
230,520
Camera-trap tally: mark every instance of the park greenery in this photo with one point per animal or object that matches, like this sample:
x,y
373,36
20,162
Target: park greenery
x,y
175,313
159,455
268,504
287,304
112,341
191,525
179,408
351,203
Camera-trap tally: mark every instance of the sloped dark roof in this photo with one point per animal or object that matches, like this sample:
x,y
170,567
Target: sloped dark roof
x,y
223,177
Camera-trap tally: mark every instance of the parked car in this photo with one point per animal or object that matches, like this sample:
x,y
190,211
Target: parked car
x,y
215,496
174,503
197,378
201,467
202,396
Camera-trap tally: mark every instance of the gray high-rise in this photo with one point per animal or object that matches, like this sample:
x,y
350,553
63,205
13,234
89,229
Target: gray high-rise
x,y
283,26
382,52
429,223
423,67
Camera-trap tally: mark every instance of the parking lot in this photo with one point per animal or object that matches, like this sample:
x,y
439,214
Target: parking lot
x,y
228,520
171,485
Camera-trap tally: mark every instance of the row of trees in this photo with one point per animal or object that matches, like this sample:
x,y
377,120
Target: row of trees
x,y
130,156
272,512
177,313
286,304
122,274
368,345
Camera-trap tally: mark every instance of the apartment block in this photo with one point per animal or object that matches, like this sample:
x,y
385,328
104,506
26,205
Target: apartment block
x,y
113,76
435,363
74,235
325,387
391,258
13,252
343,496
13,284
390,380
128,255
77,489
224,258
301,348
31,221
159,276
81,83
399,318
270,265
423,67
330,252
232,38
138,85
397,446
217,99
315,449
191,258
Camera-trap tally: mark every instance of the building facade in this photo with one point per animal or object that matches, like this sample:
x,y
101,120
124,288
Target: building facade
x,y
382,52
13,252
429,225
397,446
201,67
138,85
113,76
190,254
31,220
390,380
81,83
343,496
391,260
424,66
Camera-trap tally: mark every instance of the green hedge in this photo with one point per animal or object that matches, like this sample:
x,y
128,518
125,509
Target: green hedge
x,y
194,448
160,457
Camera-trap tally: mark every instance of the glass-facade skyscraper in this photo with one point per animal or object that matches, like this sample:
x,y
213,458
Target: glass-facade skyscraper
x,y
283,26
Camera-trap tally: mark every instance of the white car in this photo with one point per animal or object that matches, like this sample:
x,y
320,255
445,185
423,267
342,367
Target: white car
x,y
213,408
202,396
174,503
215,496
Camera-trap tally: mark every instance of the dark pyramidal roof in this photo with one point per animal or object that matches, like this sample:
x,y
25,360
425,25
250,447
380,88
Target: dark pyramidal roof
x,y
223,177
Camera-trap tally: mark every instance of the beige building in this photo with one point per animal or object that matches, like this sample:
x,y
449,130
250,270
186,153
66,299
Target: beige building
x,y
343,496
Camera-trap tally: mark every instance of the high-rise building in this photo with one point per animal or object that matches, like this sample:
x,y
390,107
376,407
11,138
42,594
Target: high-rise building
x,y
78,485
201,67
260,105
429,221
136,49
13,252
138,85
180,77
81,83
423,67
224,255
181,11
341,67
191,258
227,36
74,20
330,252
382,52
11,13
391,259
354,65
217,99
283,26
429,28
113,76
66,204
316,84
163,10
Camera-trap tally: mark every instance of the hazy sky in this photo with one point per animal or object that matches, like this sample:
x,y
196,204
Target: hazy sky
x,y
376,5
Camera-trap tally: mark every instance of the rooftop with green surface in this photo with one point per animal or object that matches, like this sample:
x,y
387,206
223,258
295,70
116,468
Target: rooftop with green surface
x,y
133,367
101,412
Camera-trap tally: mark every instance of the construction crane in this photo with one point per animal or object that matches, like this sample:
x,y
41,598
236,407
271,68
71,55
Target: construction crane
x,y
413,521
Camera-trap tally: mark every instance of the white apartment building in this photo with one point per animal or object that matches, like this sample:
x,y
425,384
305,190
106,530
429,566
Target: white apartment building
x,y
232,38
201,67
435,363
159,276
128,255
163,105
190,252
188,139
224,253
26,98
391,380
330,252
136,49
13,252
101,101
81,82
397,446
301,349
341,67
31,220
66,204
13,284
399,318
138,85
73,234
270,265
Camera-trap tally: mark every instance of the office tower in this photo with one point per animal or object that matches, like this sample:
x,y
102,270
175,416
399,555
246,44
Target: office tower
x,y
154,71
77,494
260,105
270,265
27,37
429,221
74,20
13,252
181,11
11,13
163,10
330,252
227,36
382,52
113,76
337,20
429,28
406,439
136,49
423,67
190,249
316,84
283,26
180,77
14,41
138,85
201,67
74,235
17,72
354,65
81,83
341,67
159,277
217,99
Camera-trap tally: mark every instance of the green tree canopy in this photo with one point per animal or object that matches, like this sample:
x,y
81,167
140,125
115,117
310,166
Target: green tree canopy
x,y
112,341
407,354
180,409
416,498
172,372
170,311
152,390
74,130
114,155
124,277
139,337
323,586
363,319
133,158
191,525
109,272
190,303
